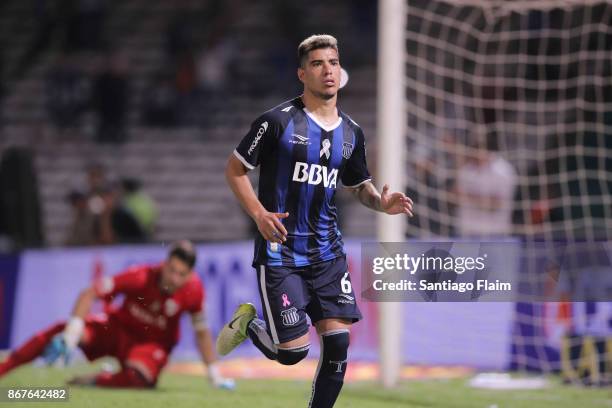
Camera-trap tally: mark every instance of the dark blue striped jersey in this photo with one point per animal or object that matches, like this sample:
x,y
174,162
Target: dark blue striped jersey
x,y
302,163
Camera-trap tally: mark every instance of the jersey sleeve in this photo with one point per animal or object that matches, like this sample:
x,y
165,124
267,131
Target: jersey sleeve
x,y
133,279
253,146
196,307
356,170
195,297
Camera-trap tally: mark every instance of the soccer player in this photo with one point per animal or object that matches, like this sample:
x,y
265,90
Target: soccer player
x,y
140,333
305,147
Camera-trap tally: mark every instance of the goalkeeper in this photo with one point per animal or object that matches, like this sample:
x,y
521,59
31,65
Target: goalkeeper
x,y
140,333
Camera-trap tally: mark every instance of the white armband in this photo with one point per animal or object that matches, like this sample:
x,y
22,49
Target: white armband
x,y
73,331
199,321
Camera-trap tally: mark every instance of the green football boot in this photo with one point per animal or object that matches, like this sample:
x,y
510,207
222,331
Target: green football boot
x,y
235,332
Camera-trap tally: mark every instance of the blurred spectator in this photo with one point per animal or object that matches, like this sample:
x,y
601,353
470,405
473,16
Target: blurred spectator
x,y
363,44
180,47
78,24
97,179
214,76
49,18
161,102
67,92
485,190
105,215
117,223
214,69
1,85
200,77
85,25
111,97
102,219
578,166
87,207
82,226
281,55
186,74
180,36
435,168
20,215
114,222
140,205
531,205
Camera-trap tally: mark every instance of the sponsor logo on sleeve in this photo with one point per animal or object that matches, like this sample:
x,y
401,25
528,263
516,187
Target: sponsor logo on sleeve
x,y
262,130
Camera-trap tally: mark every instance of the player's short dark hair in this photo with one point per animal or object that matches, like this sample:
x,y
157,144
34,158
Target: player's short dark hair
x,y
183,250
315,42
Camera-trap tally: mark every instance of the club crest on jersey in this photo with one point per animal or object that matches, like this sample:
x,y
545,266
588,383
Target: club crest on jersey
x,y
347,150
159,355
290,317
170,307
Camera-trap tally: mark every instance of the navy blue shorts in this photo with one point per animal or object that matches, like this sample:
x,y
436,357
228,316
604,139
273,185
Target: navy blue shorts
x,y
321,291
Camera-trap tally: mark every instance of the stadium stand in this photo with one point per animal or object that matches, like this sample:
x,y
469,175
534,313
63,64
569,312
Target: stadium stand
x,y
180,167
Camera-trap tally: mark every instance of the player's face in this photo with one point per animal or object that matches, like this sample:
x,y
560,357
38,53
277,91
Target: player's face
x,y
321,73
175,274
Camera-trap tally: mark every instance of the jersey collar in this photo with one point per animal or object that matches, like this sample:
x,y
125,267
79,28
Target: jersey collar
x,y
320,124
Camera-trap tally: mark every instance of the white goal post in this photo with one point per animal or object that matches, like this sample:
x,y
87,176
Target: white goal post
x,y
390,163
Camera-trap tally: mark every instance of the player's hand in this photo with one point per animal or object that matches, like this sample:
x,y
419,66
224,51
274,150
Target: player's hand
x,y
270,226
56,350
395,203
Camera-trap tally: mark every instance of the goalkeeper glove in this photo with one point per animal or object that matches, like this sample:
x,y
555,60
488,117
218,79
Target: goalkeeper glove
x,y
56,350
218,381
63,344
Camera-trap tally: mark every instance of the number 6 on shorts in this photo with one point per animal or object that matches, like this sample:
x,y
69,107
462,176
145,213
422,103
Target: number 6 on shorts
x,y
346,284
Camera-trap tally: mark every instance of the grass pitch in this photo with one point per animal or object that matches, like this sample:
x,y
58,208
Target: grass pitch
x,y
185,391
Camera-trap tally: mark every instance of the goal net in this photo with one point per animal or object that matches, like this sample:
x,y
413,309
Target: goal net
x,y
509,134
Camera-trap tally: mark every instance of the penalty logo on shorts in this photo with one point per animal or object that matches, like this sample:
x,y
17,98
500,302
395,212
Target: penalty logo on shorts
x,y
290,317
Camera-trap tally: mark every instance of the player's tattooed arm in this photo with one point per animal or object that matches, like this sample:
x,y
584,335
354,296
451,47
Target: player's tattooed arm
x,y
367,195
390,203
